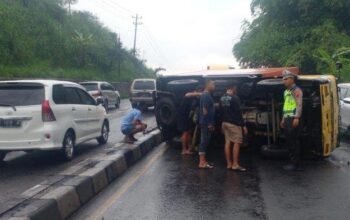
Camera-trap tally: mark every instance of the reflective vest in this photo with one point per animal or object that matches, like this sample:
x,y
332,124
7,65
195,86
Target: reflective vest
x,y
290,104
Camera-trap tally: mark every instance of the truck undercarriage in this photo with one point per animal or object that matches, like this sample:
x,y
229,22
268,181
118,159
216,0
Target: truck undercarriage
x,y
262,102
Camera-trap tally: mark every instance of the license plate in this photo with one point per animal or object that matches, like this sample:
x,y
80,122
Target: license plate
x,y
10,123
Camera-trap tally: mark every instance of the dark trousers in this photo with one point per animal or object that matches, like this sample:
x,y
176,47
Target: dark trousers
x,y
292,140
205,139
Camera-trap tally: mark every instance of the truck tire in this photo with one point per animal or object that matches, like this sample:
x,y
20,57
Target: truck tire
x,y
166,112
270,85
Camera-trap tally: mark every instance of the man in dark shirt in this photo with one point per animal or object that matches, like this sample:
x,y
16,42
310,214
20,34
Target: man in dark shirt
x,y
233,127
185,122
206,122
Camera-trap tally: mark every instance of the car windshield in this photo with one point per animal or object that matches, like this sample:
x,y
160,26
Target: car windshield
x,y
144,85
19,94
90,86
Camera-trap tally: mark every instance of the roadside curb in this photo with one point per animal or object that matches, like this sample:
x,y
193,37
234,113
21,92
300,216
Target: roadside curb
x,y
61,196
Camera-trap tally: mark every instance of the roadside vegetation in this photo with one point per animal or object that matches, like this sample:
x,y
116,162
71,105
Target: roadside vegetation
x,y
43,39
311,34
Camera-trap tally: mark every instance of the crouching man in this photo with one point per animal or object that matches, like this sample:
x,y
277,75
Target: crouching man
x,y
132,124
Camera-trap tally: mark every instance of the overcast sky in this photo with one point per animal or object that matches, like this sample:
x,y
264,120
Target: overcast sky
x,y
176,34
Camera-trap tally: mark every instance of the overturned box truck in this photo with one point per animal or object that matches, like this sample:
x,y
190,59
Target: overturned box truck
x,y
261,94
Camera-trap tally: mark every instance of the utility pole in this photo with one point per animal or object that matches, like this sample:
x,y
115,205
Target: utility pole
x,y
119,47
136,23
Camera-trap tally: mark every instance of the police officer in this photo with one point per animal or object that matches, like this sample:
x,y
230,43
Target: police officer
x,y
292,110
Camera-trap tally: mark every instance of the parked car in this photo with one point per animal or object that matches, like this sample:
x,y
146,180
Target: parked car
x,y
49,115
344,96
104,90
261,94
141,92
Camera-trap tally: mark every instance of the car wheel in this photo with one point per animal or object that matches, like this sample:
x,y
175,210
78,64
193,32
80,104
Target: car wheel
x,y
2,156
68,146
105,105
103,139
118,103
166,112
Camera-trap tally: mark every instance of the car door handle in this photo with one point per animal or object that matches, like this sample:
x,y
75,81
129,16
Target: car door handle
x,y
74,109
89,109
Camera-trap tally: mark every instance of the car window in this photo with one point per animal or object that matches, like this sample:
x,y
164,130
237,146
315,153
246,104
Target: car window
x,y
22,94
86,99
72,95
59,95
90,86
104,86
144,85
110,87
344,93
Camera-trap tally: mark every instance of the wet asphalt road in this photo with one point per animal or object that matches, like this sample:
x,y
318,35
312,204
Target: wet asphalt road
x,y
167,185
25,170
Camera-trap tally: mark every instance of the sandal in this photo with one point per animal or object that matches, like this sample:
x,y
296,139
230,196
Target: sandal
x,y
207,166
239,169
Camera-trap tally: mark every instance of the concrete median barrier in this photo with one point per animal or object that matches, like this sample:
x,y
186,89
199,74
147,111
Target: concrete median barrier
x,y
60,197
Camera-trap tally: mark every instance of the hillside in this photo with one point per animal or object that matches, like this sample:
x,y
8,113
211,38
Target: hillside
x,y
313,35
41,39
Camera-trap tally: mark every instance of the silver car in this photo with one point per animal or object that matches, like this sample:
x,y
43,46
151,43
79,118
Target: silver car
x,y
104,90
344,96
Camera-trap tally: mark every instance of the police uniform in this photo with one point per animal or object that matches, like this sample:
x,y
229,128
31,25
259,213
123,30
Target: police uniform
x,y
292,108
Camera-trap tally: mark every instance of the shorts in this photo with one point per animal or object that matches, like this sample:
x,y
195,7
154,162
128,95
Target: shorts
x,y
127,130
233,133
184,123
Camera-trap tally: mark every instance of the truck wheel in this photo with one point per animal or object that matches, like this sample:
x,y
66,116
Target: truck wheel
x,y
273,151
68,150
103,139
270,85
166,112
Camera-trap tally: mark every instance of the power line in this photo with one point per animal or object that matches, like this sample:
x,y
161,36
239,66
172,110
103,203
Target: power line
x,y
151,46
121,7
153,50
111,8
154,42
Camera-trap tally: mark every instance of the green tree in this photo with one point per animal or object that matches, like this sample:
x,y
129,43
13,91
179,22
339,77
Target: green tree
x,y
38,38
293,32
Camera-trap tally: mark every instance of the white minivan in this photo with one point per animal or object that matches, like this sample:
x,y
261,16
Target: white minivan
x,y
49,115
141,92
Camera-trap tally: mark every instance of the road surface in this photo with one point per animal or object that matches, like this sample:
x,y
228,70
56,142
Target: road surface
x,y
167,185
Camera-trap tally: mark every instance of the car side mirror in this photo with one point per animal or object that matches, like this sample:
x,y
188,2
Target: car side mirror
x,y
99,101
346,100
